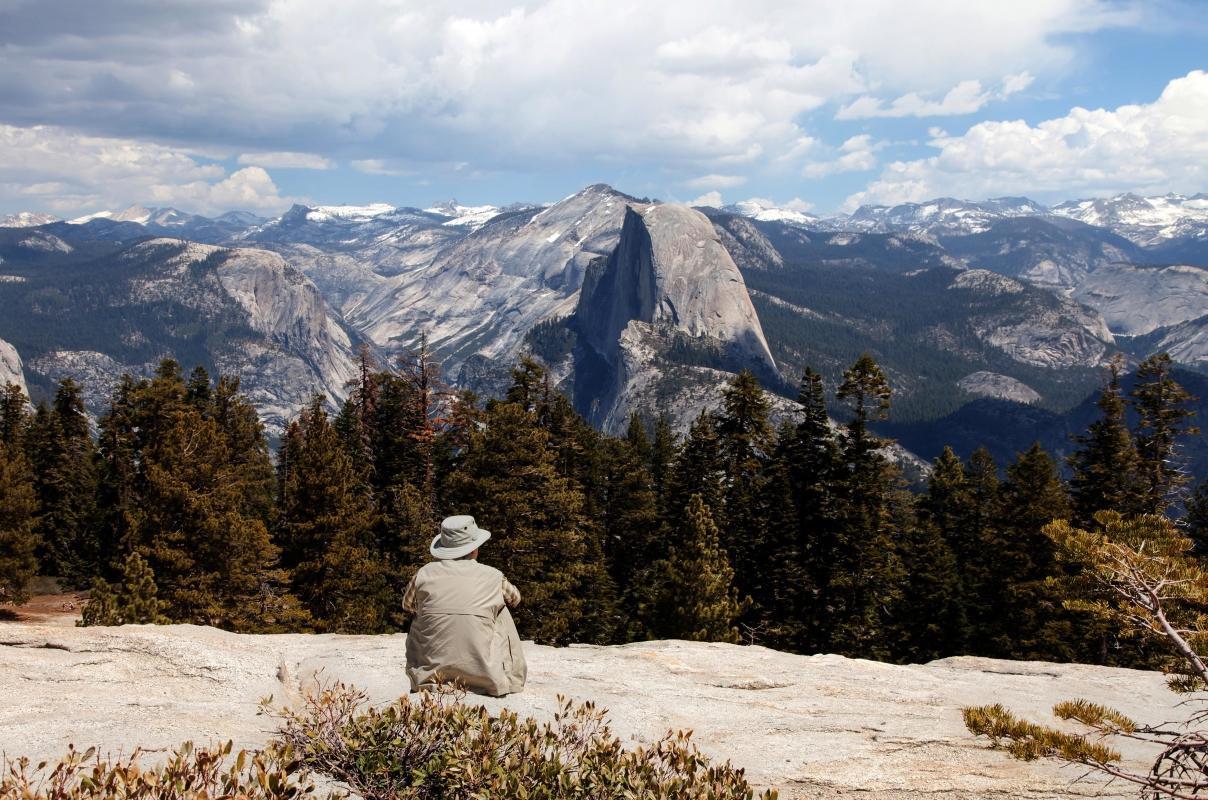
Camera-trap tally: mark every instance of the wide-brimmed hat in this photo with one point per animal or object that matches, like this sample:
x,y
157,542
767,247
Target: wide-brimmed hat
x,y
459,536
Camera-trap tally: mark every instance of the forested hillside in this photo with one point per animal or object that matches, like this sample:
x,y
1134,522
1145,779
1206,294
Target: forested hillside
x,y
800,536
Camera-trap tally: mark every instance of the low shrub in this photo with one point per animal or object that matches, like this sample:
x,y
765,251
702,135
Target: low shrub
x,y
187,773
438,748
434,748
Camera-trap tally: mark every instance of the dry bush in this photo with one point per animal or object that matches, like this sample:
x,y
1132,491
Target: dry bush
x,y
187,773
439,748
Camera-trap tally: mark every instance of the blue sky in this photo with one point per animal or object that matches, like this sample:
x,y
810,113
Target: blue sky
x,y
223,104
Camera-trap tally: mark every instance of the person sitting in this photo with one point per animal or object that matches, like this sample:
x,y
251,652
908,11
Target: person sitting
x,y
463,633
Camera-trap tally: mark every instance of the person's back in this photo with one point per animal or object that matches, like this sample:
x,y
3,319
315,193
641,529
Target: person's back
x,y
463,632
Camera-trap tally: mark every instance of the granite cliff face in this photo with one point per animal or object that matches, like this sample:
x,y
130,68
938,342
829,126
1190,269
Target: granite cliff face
x,y
238,311
669,296
480,296
11,370
812,726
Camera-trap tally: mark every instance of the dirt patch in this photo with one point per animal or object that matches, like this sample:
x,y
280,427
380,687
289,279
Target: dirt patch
x,y
61,608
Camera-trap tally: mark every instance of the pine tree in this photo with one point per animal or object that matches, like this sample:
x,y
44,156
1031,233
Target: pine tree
x,y
509,482
638,440
1105,466
699,600
18,509
102,606
746,440
183,481
929,618
137,600
698,469
64,454
948,508
975,550
663,453
1031,621
325,527
14,416
865,576
1161,404
1197,519
132,602
816,470
784,618
632,538
118,477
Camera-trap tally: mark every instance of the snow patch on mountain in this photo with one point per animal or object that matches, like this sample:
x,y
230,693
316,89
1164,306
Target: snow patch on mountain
x,y
1144,220
325,213
765,211
27,219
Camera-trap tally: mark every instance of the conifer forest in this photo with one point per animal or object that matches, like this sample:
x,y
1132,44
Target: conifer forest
x,y
792,530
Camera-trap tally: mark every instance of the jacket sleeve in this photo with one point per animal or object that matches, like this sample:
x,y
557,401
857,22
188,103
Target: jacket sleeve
x,y
409,598
511,595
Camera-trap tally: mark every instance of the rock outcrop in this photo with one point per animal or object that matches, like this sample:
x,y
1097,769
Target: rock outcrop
x,y
1136,300
482,293
11,370
813,726
668,295
1003,387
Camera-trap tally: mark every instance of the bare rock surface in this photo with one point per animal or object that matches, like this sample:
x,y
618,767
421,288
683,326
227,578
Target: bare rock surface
x,y
813,726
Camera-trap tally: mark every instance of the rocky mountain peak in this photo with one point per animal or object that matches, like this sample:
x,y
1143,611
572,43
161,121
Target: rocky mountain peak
x,y
669,286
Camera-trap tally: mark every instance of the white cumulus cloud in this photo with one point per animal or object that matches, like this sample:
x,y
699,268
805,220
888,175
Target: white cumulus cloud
x,y
857,154
715,181
685,87
70,173
286,160
710,199
1159,146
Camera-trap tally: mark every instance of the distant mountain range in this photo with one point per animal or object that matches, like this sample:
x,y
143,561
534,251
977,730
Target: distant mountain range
x,y
636,306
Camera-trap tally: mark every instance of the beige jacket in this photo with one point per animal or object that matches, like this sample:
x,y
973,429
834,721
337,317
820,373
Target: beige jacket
x,y
463,632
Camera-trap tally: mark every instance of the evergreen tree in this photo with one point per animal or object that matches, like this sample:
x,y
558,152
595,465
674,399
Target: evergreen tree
x,y
815,472
663,453
183,481
700,601
1105,466
929,618
14,416
698,469
102,606
63,452
133,602
1031,621
865,575
638,440
325,527
976,553
509,481
118,477
948,508
632,537
784,618
746,440
1197,519
1161,404
18,510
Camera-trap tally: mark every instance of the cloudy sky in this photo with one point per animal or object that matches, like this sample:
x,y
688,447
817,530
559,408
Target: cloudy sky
x,y
209,105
